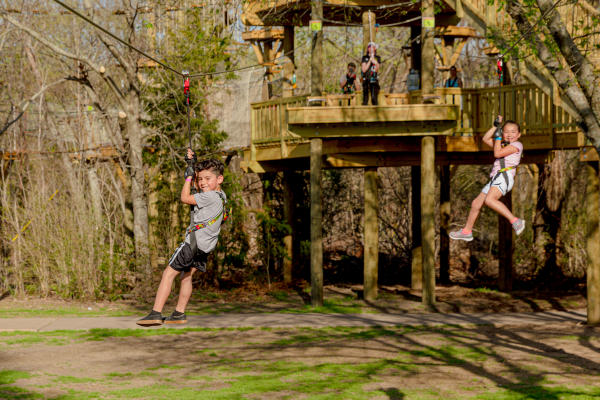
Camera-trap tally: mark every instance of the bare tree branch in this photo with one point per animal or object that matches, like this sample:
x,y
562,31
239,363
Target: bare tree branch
x,y
25,103
100,70
581,67
562,76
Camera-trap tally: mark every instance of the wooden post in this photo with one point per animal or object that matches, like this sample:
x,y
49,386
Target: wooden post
x,y
416,277
415,48
268,51
428,218
444,223
371,231
592,202
427,55
289,65
368,20
316,71
288,215
316,232
448,49
505,248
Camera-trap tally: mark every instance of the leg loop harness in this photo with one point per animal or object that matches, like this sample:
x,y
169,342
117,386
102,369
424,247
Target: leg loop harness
x,y
503,169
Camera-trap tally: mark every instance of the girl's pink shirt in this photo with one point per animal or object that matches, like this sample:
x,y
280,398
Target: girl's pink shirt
x,y
511,160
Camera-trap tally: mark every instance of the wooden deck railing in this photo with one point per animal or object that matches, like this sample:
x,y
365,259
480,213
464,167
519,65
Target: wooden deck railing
x,y
268,118
535,111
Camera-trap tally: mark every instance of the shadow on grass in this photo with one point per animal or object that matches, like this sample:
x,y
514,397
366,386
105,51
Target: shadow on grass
x,y
480,351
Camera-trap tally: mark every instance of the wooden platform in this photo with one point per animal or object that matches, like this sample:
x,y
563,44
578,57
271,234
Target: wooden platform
x,y
388,135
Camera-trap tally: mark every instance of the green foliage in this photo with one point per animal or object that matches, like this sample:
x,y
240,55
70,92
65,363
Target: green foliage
x,y
271,248
232,247
197,47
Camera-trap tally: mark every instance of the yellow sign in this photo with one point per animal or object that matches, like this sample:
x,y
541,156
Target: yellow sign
x,y
316,25
428,22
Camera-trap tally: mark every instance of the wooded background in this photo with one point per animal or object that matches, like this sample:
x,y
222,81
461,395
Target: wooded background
x,y
93,138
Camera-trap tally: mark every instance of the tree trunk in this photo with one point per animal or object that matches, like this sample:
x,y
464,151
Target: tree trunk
x,y
138,189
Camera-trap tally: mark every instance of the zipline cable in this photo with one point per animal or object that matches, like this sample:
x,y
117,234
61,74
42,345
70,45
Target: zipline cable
x,y
164,65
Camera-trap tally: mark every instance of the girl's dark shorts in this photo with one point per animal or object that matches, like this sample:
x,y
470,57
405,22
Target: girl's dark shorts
x,y
184,259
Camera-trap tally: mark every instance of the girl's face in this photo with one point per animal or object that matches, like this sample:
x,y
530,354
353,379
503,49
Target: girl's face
x,y
511,133
206,180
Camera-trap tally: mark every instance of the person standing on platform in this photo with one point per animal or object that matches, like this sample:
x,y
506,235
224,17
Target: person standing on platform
x,y
348,81
454,81
370,69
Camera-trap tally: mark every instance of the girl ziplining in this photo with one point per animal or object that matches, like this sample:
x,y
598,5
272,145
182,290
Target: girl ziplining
x,y
504,140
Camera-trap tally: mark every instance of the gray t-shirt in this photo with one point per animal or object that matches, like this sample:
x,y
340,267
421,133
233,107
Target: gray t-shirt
x,y
208,206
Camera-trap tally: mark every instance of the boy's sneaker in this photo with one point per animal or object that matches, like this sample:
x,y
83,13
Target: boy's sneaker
x,y
459,235
152,319
519,226
176,318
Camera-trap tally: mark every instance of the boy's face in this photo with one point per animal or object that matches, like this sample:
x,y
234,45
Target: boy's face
x,y
207,180
511,133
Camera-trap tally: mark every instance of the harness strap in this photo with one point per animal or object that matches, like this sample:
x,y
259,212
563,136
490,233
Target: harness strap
x,y
225,212
502,171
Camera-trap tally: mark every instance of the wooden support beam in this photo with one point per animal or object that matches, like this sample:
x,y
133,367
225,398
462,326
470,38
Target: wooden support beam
x,y
258,52
371,232
457,51
288,60
444,223
268,33
427,55
416,281
268,54
592,202
316,217
316,60
428,219
505,248
415,48
288,216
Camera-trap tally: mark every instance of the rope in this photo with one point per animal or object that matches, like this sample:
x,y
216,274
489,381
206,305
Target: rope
x,y
370,27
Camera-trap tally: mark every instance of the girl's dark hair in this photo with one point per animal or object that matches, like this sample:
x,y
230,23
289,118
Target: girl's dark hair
x,y
351,64
211,164
510,121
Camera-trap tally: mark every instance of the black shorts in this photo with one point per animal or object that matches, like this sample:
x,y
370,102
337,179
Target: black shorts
x,y
183,259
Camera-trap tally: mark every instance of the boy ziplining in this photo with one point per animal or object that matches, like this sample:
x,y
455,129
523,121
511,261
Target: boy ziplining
x,y
209,211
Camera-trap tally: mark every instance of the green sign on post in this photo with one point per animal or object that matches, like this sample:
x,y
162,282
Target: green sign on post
x,y
428,22
316,25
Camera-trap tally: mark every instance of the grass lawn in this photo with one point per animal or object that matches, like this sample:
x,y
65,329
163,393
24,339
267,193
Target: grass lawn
x,y
443,362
